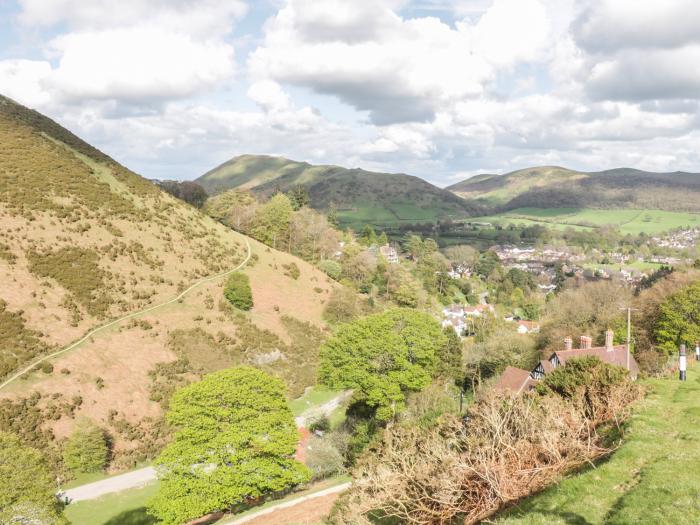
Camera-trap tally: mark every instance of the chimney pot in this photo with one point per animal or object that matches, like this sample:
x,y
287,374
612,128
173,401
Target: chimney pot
x,y
568,343
586,342
609,335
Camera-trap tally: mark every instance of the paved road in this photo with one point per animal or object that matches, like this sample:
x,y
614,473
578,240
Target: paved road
x,y
128,316
130,480
322,410
286,504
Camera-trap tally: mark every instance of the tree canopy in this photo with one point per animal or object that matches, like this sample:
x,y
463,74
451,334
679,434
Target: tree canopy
x,y
382,357
27,487
234,442
86,450
679,319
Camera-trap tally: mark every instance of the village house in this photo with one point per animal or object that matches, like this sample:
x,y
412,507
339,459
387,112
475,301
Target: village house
x,y
479,310
456,323
527,327
518,380
389,253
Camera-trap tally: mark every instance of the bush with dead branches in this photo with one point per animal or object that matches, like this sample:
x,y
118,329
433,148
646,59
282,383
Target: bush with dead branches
x,y
509,446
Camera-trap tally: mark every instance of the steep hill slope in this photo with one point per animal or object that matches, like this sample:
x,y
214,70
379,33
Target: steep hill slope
x,y
556,187
83,241
360,196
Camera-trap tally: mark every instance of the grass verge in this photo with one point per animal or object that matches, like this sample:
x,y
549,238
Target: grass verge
x,y
652,478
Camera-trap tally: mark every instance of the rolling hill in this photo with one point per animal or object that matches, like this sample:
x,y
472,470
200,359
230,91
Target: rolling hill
x,y
359,196
84,242
556,187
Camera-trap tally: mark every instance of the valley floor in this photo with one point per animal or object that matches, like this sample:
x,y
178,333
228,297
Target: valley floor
x,y
653,478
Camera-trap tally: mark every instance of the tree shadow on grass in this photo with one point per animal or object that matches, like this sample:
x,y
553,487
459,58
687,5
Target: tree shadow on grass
x,y
132,517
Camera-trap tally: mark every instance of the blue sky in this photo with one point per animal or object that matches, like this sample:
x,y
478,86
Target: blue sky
x,y
438,89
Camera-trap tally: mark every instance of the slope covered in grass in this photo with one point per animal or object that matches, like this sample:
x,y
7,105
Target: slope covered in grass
x,y
557,187
652,478
360,196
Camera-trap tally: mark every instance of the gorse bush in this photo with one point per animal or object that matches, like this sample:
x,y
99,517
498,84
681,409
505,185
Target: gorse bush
x,y
508,447
77,270
18,343
238,292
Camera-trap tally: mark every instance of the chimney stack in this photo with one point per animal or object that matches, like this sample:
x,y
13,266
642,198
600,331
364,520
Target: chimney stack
x,y
586,342
609,335
568,343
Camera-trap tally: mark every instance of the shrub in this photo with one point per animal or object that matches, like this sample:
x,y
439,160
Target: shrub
x,y
237,291
86,450
321,424
343,306
508,447
331,268
291,270
323,458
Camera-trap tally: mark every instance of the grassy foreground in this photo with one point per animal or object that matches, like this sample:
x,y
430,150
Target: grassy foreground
x,y
654,477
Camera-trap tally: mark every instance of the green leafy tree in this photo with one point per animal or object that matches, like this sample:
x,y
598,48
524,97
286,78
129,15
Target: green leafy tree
x,y
237,291
299,197
86,450
449,363
383,240
331,268
271,222
369,236
679,319
27,487
383,356
234,442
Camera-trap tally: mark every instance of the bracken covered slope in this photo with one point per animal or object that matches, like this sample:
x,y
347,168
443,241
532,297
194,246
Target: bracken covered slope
x,y
83,240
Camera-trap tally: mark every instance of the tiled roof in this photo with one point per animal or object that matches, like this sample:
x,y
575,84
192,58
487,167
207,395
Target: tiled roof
x,y
617,355
515,379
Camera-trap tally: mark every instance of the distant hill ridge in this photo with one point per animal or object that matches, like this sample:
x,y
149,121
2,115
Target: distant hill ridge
x,y
555,187
362,194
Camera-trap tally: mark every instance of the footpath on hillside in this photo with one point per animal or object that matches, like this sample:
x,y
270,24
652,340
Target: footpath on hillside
x,y
653,478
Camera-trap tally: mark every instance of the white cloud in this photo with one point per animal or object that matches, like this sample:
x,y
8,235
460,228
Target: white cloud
x,y
195,17
139,63
397,69
483,83
22,80
269,95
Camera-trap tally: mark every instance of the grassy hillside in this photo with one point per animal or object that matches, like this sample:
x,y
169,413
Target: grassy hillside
x,y
556,187
632,221
651,479
83,241
360,196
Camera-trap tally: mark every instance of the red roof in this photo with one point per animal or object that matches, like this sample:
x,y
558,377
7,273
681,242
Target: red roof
x,y
617,355
515,379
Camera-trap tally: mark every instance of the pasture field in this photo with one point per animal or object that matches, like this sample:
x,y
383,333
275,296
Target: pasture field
x,y
652,478
651,222
391,214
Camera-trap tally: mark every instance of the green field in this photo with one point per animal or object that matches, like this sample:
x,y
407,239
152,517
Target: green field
x,y
390,214
121,508
651,479
632,222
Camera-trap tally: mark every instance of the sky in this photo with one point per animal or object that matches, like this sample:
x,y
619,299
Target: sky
x,y
442,90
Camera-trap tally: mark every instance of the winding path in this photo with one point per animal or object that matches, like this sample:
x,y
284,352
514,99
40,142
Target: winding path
x,y
124,318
